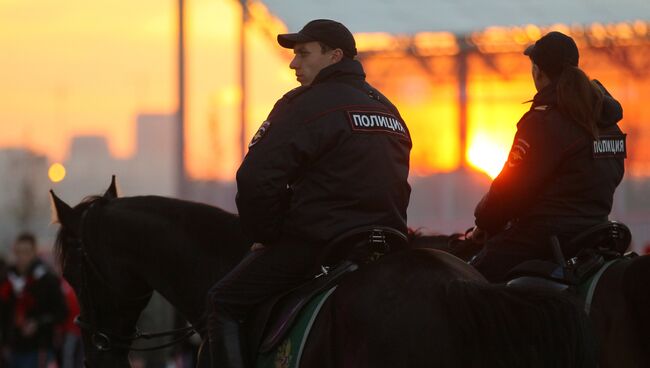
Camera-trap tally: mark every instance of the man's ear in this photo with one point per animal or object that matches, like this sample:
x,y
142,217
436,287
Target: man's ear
x,y
337,55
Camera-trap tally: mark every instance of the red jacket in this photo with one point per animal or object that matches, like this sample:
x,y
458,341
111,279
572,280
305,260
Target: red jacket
x,y
35,296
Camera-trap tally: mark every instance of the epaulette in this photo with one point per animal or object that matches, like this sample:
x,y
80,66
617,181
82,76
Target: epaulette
x,y
533,112
295,93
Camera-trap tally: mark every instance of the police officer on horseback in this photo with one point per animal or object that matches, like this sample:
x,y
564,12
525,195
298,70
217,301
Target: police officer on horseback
x,y
332,156
563,168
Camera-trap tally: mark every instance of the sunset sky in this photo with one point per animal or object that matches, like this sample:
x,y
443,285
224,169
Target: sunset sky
x,y
72,67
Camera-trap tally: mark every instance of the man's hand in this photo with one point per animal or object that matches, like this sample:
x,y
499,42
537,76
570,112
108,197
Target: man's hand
x,y
257,246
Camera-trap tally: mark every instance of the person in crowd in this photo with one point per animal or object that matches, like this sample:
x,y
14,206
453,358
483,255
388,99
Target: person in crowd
x,y
34,304
71,348
332,156
563,168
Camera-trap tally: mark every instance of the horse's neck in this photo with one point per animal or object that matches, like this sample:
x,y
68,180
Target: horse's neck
x,y
183,270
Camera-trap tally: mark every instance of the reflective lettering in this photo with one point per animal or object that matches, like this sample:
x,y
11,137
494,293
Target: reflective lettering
x,y
609,146
356,118
377,121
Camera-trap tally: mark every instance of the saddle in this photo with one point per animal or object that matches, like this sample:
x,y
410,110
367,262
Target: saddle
x,y
273,320
599,244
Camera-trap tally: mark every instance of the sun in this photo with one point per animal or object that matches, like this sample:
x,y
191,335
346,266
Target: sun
x,y
487,156
56,173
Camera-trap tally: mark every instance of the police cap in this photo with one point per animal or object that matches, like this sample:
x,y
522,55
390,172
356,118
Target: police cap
x,y
553,52
329,32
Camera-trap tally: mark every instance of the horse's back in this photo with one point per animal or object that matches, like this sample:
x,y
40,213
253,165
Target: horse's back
x,y
383,314
428,308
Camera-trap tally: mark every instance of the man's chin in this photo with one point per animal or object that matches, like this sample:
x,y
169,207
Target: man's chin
x,y
303,82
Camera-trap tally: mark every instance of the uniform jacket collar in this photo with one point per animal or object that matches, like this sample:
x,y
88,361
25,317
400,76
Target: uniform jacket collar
x,y
346,69
547,96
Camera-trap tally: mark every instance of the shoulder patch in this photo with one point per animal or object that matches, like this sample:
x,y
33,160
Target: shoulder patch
x,y
376,122
518,152
608,146
260,133
540,107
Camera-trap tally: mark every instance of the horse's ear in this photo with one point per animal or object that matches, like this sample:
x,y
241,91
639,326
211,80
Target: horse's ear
x,y
61,212
111,192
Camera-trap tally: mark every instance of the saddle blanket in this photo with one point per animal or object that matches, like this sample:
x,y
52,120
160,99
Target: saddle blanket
x,y
288,353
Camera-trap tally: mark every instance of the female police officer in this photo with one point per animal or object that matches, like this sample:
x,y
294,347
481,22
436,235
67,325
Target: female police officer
x,y
563,168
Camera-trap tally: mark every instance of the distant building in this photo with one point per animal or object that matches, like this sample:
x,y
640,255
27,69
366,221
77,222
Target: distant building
x,y
24,203
89,167
152,170
154,166
214,193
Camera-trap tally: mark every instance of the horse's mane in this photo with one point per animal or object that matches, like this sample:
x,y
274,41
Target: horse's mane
x,y
60,251
134,209
419,239
455,243
523,326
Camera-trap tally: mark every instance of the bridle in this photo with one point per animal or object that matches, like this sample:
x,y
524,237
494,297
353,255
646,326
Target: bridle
x,y
103,340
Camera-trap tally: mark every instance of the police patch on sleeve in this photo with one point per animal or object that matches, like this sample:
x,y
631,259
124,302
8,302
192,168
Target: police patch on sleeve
x,y
376,122
608,146
518,152
260,133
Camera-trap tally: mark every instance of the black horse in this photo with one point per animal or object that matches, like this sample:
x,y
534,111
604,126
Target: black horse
x,y
414,308
619,311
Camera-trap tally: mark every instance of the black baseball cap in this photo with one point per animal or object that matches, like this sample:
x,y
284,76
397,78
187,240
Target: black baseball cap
x,y
329,32
553,52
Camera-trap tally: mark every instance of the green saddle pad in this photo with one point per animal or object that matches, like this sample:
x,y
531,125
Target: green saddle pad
x,y
288,353
587,289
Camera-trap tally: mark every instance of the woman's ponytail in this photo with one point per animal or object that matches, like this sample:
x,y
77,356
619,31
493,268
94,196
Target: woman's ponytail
x,y
580,98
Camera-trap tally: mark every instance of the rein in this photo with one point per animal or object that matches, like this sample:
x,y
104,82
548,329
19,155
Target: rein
x,y
105,341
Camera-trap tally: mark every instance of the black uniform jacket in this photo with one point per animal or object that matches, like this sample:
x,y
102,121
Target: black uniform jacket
x,y
331,157
555,169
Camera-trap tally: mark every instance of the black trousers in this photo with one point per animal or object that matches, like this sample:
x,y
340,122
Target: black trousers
x,y
262,274
526,240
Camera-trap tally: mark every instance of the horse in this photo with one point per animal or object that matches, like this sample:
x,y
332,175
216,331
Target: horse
x,y
410,308
619,311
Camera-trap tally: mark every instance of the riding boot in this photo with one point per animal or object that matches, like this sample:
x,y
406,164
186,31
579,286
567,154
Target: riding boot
x,y
226,342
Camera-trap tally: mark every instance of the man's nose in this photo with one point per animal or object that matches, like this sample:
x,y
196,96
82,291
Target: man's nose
x,y
294,63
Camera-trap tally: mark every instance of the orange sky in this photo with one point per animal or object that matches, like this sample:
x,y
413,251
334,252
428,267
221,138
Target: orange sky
x,y
73,67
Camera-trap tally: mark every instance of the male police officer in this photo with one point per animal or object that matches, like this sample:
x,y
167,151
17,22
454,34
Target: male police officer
x,y
332,156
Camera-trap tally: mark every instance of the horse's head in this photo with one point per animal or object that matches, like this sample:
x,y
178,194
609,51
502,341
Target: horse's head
x,y
110,294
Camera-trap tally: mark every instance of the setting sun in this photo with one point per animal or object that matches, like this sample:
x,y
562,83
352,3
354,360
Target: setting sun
x,y
487,156
56,173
